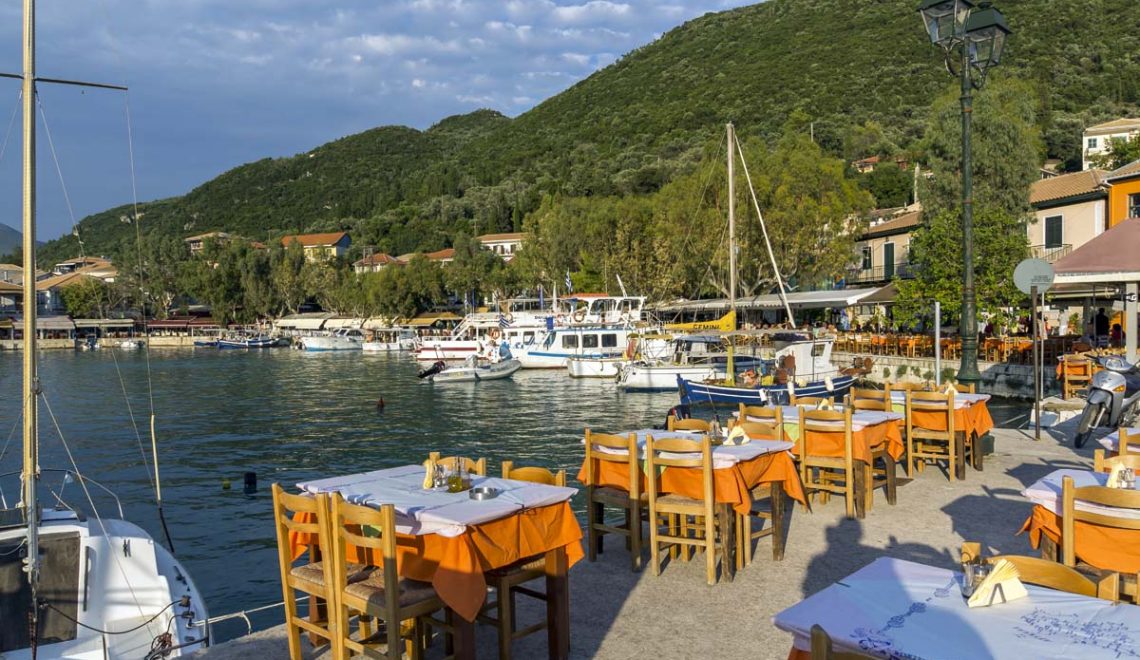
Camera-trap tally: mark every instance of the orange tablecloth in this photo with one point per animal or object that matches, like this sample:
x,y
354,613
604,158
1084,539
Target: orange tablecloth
x,y
971,419
730,485
1101,547
455,565
862,442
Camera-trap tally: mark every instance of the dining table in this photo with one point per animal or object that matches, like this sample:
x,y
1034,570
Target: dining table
x,y
972,420
894,608
737,471
451,540
1106,548
1111,442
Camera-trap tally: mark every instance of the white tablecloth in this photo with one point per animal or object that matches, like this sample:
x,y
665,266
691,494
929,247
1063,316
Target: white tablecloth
x,y
1110,441
1046,492
724,456
433,511
961,399
860,419
898,609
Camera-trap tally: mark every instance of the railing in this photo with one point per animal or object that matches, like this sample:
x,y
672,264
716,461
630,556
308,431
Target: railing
x,y
1050,254
883,273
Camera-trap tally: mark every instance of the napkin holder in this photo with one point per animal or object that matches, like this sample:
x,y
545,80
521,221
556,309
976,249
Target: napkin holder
x,y
429,474
1000,586
737,436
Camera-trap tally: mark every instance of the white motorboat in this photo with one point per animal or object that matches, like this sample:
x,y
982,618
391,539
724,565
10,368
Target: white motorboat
x,y
474,370
582,367
345,339
388,340
598,342
693,357
78,585
131,344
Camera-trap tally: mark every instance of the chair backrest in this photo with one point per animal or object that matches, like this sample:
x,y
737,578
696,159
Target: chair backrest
x,y
910,387
378,548
868,399
811,400
688,424
1126,437
937,403
538,475
596,443
821,647
1050,574
1102,464
470,465
824,421
1106,497
761,430
769,415
696,453
963,388
299,518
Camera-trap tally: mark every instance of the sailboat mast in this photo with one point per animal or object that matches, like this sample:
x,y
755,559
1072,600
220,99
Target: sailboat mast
x,y
730,375
31,469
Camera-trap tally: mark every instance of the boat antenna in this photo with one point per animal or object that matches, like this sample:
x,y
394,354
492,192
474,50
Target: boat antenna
x,y
767,242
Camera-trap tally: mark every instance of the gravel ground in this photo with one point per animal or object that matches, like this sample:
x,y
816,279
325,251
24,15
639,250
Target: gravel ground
x,y
619,614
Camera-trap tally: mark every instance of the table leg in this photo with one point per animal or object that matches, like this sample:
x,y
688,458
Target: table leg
x,y
976,456
960,455
727,523
860,486
1049,549
462,644
778,500
557,604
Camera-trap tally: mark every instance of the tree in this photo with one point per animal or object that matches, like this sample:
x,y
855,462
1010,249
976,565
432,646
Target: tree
x,y
1120,153
472,270
889,185
89,297
286,267
1006,148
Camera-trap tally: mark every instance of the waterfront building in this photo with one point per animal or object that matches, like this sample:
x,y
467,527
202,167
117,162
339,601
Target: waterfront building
x,y
883,249
320,247
504,245
1069,211
374,263
1124,193
198,243
1097,140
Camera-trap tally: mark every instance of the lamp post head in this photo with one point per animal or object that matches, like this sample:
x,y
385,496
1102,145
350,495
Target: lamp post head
x,y
986,31
945,20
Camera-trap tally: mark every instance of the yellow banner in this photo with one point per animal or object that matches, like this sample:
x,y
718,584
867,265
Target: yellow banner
x,y
726,323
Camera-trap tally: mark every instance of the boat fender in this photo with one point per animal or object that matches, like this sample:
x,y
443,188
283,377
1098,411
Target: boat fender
x,y
828,384
791,390
494,333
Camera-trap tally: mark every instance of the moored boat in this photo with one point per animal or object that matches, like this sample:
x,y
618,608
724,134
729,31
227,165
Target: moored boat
x,y
241,341
341,340
475,370
585,367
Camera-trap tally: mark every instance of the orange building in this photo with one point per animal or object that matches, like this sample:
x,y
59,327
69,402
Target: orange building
x,y
1124,193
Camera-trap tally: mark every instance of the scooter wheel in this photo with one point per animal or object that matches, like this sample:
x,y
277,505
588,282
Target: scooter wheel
x,y
1090,415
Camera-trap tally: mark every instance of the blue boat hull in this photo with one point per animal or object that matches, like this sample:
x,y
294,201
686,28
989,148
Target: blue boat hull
x,y
693,393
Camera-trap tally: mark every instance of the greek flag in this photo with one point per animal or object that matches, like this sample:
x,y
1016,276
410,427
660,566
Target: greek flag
x,y
569,283
503,322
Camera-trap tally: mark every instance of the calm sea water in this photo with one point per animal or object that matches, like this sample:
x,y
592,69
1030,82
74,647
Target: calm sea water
x,y
288,416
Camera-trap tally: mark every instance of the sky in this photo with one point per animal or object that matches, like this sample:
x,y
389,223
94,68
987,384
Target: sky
x,y
217,83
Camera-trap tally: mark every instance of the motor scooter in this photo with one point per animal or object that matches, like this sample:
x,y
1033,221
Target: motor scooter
x,y
1113,399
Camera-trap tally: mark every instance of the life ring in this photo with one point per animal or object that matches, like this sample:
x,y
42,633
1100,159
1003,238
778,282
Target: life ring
x,y
509,317
494,334
580,315
631,348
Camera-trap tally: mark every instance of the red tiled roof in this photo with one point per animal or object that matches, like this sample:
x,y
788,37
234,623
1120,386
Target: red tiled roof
x,y
1114,126
440,255
895,225
513,236
1130,170
1066,185
1111,252
315,240
379,259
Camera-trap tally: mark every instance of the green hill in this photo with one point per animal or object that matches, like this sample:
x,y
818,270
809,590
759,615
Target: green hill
x,y
633,125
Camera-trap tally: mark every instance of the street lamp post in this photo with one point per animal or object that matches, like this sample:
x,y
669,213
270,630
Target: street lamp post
x,y
972,38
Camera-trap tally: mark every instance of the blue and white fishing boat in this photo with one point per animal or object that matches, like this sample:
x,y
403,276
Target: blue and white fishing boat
x,y
243,341
799,365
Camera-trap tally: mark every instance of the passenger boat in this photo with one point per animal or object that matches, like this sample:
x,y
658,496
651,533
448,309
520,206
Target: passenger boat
x,y
798,365
388,340
524,322
345,339
583,342
75,584
693,357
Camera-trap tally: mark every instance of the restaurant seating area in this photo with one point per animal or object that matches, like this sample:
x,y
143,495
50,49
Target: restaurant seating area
x,y
1010,350
402,545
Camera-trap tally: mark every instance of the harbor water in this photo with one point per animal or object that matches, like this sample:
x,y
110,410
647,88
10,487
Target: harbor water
x,y
287,416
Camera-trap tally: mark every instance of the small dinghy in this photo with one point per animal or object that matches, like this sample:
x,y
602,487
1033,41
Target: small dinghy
x,y
475,368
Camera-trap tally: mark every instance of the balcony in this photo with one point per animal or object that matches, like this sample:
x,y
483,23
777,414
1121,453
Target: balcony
x,y
882,273
1048,253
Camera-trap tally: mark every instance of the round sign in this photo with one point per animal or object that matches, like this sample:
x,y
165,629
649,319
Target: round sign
x,y
1033,273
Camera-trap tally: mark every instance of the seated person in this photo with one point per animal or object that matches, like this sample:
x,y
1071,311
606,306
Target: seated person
x,y
749,378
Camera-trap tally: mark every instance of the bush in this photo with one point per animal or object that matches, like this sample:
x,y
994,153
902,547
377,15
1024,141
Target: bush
x,y
900,371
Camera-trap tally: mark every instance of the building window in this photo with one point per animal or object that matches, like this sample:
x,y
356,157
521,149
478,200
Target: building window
x,y
1134,205
1092,143
1053,231
867,263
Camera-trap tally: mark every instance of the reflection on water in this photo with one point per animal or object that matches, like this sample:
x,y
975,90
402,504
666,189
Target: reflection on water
x,y
288,416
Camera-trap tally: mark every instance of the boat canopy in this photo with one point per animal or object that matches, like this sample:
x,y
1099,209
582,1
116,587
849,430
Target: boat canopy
x,y
797,300
337,323
302,321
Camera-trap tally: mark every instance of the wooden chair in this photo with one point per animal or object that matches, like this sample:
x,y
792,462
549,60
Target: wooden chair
x,y
689,424
773,415
821,647
924,444
910,387
1071,515
375,589
1101,463
313,579
508,580
631,500
1127,441
829,474
773,494
1050,574
470,465
697,455
868,399
538,475
811,400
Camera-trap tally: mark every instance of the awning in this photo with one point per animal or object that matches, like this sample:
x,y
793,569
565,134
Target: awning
x,y
1111,258
54,323
302,322
884,295
333,324
419,323
772,301
104,323
380,323
203,322
168,324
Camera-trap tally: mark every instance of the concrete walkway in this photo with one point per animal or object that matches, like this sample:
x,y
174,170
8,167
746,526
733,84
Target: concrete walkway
x,y
618,614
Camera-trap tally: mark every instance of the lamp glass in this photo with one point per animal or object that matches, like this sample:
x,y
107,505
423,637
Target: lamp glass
x,y
945,21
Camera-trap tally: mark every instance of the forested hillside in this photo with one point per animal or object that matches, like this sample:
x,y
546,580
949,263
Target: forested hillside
x,y
861,71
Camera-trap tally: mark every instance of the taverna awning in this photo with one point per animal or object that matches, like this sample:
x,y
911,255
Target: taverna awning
x,y
1109,259
302,321
798,300
338,323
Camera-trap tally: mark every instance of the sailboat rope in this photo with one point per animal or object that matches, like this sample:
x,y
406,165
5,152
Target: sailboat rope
x,y
768,243
90,501
58,168
11,122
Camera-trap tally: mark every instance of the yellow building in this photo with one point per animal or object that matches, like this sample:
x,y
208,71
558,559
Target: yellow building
x,y
1124,194
320,247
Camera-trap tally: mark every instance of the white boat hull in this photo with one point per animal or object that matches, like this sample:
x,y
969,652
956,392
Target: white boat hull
x,y
494,371
331,343
380,346
595,367
657,378
447,349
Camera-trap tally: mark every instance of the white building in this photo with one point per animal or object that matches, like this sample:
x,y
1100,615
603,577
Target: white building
x,y
1098,139
504,245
